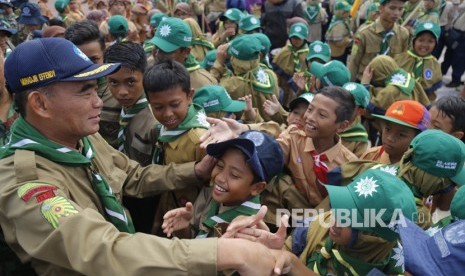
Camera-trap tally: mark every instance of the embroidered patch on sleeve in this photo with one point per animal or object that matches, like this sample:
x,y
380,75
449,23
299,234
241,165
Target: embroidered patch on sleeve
x,y
58,207
40,191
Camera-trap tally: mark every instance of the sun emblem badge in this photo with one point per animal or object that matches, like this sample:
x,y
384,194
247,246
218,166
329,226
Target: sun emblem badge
x,y
366,187
398,79
165,30
262,76
317,48
389,169
398,256
202,119
428,25
253,20
298,29
350,87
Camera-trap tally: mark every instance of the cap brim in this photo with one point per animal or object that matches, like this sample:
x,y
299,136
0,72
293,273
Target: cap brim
x,y
32,21
341,198
298,35
317,70
164,45
94,71
235,106
399,122
319,56
459,179
416,251
9,31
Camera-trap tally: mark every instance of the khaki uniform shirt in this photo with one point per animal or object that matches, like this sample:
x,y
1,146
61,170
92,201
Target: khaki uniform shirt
x,y
447,15
339,38
357,147
83,242
367,45
377,154
297,149
201,77
109,116
141,136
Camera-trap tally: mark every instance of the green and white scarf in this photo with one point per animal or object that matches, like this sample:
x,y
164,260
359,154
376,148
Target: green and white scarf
x,y
419,62
385,47
191,63
26,137
195,118
312,13
248,208
125,117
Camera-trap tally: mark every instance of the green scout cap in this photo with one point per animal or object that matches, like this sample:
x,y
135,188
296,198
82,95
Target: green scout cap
x,y
303,98
172,34
459,179
60,5
249,23
360,93
320,50
214,98
342,6
118,26
373,192
156,19
428,26
299,30
457,205
373,7
333,73
264,41
209,59
232,14
245,47
438,153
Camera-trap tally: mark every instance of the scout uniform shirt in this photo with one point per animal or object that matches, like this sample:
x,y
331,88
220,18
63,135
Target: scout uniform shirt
x,y
180,146
339,36
287,62
355,138
211,218
199,77
368,43
200,45
315,17
376,154
298,151
109,116
409,7
52,216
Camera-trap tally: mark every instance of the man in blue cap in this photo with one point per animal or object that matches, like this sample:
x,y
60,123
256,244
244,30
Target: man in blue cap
x,y
31,18
60,198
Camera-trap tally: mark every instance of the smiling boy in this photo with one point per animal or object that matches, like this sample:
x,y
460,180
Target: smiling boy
x,y
244,166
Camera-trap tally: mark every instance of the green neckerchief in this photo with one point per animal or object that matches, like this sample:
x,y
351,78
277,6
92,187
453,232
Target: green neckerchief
x,y
101,82
402,80
191,63
248,208
295,55
312,13
344,264
419,62
356,133
203,42
148,46
125,117
5,126
26,137
385,47
195,118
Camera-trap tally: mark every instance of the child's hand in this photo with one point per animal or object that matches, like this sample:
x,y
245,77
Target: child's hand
x,y
177,219
300,80
222,53
221,130
248,102
228,33
367,75
271,107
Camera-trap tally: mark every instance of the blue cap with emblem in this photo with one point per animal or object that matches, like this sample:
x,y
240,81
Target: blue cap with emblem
x,y
262,151
441,254
39,62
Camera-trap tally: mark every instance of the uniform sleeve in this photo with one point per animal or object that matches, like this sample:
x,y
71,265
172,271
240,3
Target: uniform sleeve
x,y
57,231
358,50
284,141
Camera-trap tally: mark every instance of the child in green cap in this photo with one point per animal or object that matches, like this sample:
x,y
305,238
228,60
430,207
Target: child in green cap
x,y
355,137
430,12
229,27
419,60
118,28
402,122
249,24
291,59
371,14
168,90
339,34
316,17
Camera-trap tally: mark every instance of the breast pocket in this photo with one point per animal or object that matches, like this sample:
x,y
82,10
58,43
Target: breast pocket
x,y
142,150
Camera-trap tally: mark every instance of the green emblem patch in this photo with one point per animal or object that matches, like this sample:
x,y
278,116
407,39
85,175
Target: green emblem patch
x,y
54,208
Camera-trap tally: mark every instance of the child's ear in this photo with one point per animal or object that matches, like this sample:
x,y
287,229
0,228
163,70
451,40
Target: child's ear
x,y
343,126
257,188
458,134
190,95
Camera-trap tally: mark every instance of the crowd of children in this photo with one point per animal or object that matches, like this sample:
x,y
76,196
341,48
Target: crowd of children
x,y
327,106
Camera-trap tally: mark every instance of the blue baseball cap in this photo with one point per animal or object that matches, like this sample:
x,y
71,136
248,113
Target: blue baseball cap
x,y
4,26
264,154
39,62
441,254
6,2
31,15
